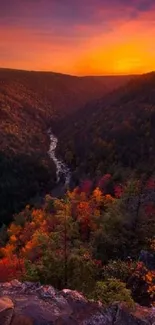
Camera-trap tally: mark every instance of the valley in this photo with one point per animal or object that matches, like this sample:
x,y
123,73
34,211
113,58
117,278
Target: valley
x,y
77,183
30,104
77,162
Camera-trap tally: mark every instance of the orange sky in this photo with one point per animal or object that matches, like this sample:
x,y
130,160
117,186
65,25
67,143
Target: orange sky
x,y
79,37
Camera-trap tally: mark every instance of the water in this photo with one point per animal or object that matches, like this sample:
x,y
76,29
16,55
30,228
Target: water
x,y
61,168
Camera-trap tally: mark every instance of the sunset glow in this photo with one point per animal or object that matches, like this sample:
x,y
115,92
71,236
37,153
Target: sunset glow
x,y
82,37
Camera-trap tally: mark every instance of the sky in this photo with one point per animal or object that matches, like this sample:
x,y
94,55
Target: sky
x,y
79,37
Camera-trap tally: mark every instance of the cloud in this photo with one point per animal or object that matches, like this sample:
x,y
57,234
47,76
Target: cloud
x,y
68,11
76,35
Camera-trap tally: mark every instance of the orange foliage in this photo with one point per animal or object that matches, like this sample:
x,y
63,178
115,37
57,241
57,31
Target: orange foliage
x,y
97,195
148,277
150,280
28,240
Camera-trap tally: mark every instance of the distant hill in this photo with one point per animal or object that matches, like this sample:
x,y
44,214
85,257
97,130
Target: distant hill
x,y
30,102
114,134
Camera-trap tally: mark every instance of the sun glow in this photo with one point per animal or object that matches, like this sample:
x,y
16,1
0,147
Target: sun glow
x,y
107,41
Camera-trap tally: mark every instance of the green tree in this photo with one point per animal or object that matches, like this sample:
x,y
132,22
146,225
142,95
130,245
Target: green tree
x,y
111,291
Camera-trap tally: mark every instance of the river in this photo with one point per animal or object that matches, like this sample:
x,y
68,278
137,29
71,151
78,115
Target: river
x,y
61,168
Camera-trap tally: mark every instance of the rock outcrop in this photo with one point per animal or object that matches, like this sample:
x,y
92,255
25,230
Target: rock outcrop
x,y
32,304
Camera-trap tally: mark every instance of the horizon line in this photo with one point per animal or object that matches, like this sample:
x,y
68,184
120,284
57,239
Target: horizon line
x,y
78,76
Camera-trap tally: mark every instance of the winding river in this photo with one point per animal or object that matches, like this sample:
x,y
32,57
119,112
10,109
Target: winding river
x,y
61,169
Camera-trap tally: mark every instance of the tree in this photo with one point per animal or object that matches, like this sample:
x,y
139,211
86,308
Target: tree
x,y
110,291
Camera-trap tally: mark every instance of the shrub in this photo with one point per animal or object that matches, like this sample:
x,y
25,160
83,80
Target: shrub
x,y
118,269
112,290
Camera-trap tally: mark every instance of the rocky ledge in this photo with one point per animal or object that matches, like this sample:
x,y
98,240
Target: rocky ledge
x,y
32,304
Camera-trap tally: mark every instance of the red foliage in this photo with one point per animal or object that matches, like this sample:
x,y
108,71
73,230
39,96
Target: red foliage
x,y
118,190
11,269
150,184
98,263
86,186
104,181
150,209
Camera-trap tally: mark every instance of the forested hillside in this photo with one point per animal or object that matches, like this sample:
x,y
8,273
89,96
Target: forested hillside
x,y
115,134
29,103
100,244
98,237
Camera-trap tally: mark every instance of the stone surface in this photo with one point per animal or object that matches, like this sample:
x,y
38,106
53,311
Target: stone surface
x,y
6,310
21,320
32,304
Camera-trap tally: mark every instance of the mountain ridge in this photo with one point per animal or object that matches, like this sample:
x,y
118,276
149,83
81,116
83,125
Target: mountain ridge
x,y
71,75
119,133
